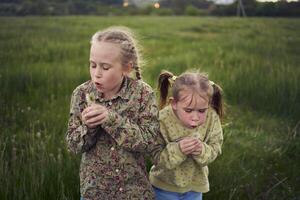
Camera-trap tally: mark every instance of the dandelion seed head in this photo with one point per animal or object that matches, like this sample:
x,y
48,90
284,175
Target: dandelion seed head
x,y
90,99
38,134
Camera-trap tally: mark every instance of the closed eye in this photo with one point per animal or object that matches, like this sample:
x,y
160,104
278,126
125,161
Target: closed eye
x,y
188,110
93,65
105,66
202,110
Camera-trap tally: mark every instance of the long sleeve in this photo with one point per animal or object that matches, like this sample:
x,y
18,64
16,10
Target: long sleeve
x,y
171,156
212,143
142,134
79,137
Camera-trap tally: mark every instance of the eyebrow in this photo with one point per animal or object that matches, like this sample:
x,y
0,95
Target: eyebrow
x,y
100,63
195,109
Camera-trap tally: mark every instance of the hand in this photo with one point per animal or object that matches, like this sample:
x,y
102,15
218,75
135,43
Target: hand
x,y
94,115
197,149
188,145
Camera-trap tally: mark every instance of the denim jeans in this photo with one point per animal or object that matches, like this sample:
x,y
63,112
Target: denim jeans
x,y
166,195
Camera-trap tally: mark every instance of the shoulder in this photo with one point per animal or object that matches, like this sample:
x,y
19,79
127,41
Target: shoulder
x,y
81,89
78,97
139,85
138,89
165,113
212,116
212,112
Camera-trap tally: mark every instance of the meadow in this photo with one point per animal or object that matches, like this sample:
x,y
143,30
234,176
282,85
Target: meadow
x,y
255,60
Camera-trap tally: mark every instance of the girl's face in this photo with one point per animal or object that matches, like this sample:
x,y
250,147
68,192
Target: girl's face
x,y
106,69
191,109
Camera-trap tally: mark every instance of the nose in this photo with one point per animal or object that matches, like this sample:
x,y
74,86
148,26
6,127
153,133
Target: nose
x,y
195,116
98,72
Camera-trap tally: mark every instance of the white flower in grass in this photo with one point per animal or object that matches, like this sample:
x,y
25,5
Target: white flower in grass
x,y
38,134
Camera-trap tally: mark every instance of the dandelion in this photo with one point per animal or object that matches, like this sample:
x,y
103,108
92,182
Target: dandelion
x,y
38,134
59,155
90,99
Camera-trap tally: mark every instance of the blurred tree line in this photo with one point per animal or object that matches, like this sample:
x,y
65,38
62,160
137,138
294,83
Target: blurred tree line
x,y
167,7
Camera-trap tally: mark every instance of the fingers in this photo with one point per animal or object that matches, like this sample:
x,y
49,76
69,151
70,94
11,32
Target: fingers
x,y
195,153
87,109
93,110
197,150
97,120
190,145
187,145
187,150
94,115
188,141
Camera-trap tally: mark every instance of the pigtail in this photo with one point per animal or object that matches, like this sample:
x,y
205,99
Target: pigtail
x,y
217,100
163,87
138,73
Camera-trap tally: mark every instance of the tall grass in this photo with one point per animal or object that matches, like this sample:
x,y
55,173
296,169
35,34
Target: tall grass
x,y
255,61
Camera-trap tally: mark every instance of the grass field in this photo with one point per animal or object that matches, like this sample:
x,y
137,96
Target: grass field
x,y
255,60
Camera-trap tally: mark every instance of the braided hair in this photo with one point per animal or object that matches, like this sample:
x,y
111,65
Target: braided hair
x,y
130,51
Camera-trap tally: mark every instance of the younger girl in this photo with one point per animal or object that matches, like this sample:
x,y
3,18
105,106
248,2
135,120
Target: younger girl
x,y
114,121
191,127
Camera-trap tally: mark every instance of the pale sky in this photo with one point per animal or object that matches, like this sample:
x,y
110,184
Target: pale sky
x,y
274,0
231,1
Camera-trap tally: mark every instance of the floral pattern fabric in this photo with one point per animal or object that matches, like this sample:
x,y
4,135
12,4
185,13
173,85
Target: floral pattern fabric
x,y
113,154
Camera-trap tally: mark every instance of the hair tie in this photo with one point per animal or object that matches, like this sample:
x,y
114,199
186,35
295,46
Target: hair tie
x,y
172,80
212,83
125,42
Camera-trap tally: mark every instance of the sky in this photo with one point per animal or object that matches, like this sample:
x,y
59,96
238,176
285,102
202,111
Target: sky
x,y
230,1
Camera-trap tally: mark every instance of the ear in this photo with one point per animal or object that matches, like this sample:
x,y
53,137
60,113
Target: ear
x,y
173,103
128,68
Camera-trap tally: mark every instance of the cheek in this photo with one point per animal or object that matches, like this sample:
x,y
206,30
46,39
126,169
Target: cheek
x,y
92,72
202,117
113,77
185,116
180,115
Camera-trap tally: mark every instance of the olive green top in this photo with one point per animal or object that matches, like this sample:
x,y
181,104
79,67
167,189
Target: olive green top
x,y
177,172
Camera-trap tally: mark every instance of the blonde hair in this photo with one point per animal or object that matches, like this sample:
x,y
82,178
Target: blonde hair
x,y
197,82
123,36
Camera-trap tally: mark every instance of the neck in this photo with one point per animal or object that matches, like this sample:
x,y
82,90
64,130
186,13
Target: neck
x,y
109,95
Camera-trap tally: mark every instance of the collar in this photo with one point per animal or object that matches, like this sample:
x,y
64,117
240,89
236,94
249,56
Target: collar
x,y
122,93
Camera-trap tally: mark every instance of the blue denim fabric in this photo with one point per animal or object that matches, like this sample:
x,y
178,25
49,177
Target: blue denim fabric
x,y
166,195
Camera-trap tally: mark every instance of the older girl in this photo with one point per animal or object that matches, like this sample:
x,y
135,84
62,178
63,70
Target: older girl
x,y
114,121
